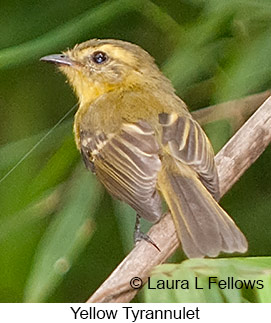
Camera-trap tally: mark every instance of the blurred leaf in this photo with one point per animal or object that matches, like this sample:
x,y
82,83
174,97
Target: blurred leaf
x,y
196,54
264,295
250,68
14,151
60,36
43,176
211,280
11,225
55,169
63,35
125,217
219,133
65,237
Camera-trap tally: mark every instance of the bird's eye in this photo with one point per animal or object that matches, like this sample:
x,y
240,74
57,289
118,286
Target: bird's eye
x,y
99,57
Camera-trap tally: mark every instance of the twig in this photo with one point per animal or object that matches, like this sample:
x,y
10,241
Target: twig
x,y
232,161
237,111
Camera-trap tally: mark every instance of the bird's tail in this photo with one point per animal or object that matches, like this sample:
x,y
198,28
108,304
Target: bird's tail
x,y
203,227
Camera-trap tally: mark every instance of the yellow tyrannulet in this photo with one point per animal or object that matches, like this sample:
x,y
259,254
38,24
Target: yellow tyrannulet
x,y
138,137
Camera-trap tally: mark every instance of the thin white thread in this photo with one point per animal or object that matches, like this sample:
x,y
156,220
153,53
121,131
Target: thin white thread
x,y
37,144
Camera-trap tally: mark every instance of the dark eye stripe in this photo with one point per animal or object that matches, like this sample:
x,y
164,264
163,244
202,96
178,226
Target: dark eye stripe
x,y
99,57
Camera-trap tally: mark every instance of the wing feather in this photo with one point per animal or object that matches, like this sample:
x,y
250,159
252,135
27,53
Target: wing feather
x,y
189,144
127,164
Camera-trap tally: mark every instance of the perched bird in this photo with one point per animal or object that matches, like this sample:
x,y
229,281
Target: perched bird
x,y
138,137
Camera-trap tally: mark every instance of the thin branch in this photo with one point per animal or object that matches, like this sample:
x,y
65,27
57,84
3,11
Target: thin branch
x,y
232,161
236,111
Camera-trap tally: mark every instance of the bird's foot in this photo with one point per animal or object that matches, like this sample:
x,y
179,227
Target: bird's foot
x,y
139,235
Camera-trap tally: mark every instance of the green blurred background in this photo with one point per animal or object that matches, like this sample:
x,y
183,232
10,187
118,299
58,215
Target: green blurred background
x,y
61,235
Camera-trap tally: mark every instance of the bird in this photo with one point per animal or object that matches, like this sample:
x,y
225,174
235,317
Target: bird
x,y
144,146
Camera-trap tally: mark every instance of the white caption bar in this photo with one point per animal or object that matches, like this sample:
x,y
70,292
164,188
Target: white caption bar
x,y
134,313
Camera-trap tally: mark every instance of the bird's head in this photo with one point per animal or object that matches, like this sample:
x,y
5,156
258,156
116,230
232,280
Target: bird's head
x,y
102,65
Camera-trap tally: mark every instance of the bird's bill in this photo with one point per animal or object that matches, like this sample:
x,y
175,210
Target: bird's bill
x,y
59,59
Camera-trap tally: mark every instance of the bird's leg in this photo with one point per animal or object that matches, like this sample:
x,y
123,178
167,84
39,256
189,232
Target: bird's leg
x,y
139,235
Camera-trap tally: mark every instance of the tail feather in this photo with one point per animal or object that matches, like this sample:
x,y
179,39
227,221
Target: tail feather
x,y
203,227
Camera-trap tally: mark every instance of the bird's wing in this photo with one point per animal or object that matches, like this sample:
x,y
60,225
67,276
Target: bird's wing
x,y
189,144
127,164
203,227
